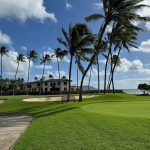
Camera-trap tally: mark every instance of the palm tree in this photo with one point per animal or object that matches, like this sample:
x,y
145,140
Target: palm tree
x,y
32,56
60,54
75,41
20,58
64,77
114,11
126,38
45,59
36,78
51,76
3,52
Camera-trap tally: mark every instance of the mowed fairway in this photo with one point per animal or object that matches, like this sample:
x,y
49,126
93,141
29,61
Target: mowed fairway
x,y
106,122
127,109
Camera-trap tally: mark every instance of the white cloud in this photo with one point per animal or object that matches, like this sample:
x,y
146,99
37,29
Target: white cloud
x,y
145,12
5,39
94,72
102,61
25,9
98,5
144,47
135,65
68,5
47,67
24,48
130,83
10,66
109,28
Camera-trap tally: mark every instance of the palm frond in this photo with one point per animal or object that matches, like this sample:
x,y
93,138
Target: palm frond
x,y
94,17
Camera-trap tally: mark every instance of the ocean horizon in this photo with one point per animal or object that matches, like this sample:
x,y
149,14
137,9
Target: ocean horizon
x,y
133,91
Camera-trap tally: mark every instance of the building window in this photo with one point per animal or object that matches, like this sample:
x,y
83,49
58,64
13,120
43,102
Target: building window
x,y
65,83
65,89
38,84
46,83
45,89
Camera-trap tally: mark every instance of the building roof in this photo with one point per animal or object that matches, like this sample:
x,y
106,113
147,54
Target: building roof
x,y
49,80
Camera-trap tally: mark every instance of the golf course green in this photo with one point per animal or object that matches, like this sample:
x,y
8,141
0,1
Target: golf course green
x,y
127,109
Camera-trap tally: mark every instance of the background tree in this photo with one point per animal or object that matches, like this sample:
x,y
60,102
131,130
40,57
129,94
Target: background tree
x,y
51,76
60,54
144,88
20,58
31,56
45,59
3,52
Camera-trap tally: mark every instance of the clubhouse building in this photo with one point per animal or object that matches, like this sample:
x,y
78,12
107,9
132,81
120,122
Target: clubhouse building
x,y
51,85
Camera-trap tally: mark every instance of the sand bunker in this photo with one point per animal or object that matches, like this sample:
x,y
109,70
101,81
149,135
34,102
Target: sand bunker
x,y
52,99
2,101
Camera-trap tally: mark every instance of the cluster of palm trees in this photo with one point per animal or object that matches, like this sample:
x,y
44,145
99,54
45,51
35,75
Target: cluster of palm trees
x,y
84,47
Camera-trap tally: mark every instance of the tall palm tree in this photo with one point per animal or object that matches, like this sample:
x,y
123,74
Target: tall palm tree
x,y
126,38
60,54
123,11
32,56
20,58
75,40
45,59
3,52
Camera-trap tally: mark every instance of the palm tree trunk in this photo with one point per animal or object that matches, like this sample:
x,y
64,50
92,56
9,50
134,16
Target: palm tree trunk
x,y
59,76
70,70
77,77
42,78
101,33
1,73
109,81
98,70
15,79
89,80
28,78
113,70
1,67
106,64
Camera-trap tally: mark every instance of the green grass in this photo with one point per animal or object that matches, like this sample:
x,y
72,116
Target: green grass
x,y
87,125
127,109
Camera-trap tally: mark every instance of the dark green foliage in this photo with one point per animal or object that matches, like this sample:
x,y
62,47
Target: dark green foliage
x,y
144,87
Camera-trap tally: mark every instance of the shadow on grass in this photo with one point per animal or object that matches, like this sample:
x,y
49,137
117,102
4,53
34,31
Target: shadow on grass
x,y
47,110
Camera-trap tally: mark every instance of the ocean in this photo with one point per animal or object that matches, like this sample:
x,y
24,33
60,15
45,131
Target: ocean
x,y
133,91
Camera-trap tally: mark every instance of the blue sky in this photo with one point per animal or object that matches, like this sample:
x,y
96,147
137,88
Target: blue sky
x,y
23,27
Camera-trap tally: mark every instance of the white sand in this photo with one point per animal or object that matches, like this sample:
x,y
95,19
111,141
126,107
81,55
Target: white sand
x,y
52,99
1,101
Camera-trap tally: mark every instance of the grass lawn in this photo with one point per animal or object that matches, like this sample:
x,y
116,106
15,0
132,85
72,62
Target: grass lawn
x,y
110,122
